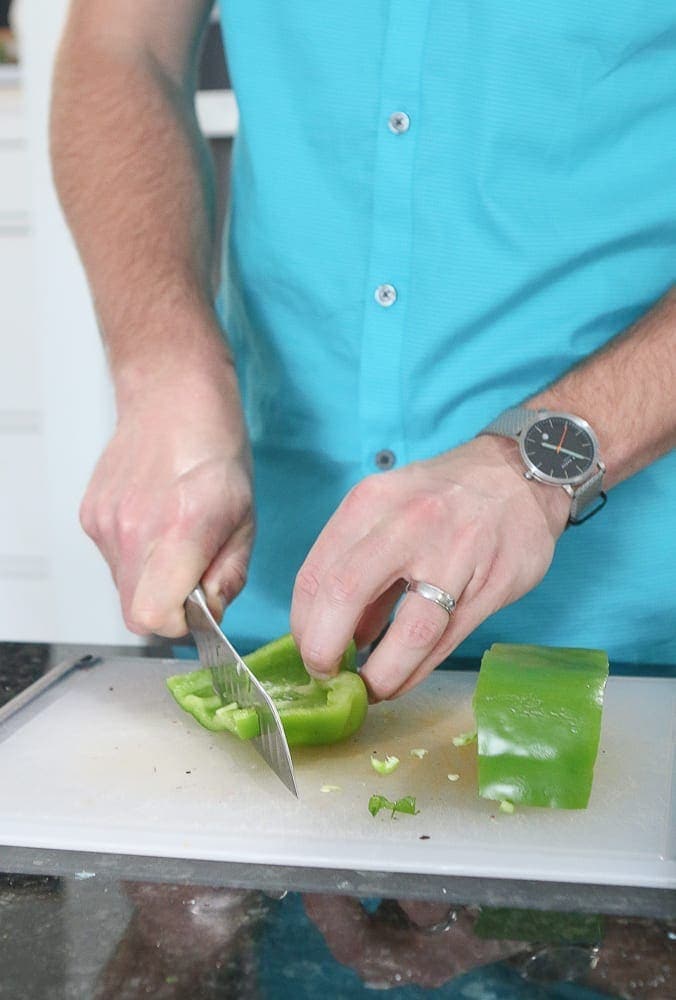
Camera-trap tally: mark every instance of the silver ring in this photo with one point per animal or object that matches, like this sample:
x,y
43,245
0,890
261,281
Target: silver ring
x,y
432,593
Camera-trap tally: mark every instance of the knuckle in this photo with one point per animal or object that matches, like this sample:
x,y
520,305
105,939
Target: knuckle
x,y
86,515
366,492
419,632
190,508
105,524
127,531
98,523
185,507
307,581
341,588
127,521
181,509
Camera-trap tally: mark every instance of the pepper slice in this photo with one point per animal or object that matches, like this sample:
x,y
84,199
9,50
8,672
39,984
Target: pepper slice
x,y
312,712
538,713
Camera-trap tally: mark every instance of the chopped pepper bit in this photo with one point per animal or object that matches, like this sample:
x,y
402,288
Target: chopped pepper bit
x,y
386,766
419,752
538,712
506,806
405,805
312,712
453,777
463,739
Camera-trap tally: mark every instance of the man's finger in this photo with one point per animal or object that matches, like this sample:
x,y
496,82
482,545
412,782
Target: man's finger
x,y
350,523
226,575
347,587
377,614
467,617
411,641
172,569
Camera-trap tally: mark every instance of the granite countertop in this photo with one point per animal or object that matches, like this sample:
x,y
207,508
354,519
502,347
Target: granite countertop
x,y
111,931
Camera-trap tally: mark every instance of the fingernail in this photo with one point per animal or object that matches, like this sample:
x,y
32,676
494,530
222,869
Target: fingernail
x,y
321,673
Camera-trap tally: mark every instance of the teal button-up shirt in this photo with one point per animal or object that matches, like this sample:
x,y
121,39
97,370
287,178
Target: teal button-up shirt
x,y
439,206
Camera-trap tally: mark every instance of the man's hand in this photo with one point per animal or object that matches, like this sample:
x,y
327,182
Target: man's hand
x,y
177,939
404,942
170,502
466,521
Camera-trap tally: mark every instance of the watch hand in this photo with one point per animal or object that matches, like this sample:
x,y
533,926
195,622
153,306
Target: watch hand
x,y
558,447
566,451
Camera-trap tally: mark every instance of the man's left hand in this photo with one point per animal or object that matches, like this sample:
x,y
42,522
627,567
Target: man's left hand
x,y
466,521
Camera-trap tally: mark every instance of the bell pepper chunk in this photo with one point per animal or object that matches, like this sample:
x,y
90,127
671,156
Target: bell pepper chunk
x,y
312,712
538,713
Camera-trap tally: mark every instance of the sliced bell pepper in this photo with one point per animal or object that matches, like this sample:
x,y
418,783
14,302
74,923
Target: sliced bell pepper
x,y
538,713
312,712
511,924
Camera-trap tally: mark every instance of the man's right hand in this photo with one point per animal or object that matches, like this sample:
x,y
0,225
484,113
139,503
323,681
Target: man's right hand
x,y
170,502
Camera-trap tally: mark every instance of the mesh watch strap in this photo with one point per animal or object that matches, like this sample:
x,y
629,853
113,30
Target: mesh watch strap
x,y
511,422
585,495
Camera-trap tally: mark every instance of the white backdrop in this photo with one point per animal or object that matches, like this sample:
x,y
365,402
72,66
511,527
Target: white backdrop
x,y
58,588
80,600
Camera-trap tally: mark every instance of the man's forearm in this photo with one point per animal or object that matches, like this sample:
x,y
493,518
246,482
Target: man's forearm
x,y
627,392
134,177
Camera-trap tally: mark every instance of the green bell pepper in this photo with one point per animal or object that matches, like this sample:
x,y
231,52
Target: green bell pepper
x,y
511,924
312,712
538,713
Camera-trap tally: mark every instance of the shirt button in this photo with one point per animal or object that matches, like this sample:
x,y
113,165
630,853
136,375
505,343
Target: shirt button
x,y
399,122
385,295
385,459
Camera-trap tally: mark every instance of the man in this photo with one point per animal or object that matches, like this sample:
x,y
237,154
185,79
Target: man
x,y
440,213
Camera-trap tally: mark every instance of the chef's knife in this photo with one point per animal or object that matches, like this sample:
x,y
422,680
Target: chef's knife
x,y
233,681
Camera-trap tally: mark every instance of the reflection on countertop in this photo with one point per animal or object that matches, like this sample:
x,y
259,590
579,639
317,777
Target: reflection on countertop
x,y
77,938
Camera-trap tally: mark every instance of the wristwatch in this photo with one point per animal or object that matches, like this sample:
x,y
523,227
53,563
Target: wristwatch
x,y
559,449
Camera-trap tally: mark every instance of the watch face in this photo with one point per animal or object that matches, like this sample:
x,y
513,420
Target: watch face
x,y
559,448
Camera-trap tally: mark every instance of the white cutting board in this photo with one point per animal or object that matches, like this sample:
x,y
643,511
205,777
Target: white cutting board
x,y
106,761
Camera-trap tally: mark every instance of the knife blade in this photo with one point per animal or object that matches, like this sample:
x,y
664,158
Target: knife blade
x,y
233,681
